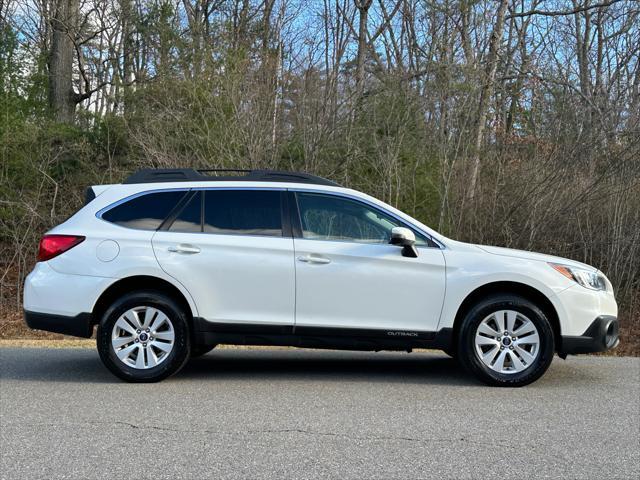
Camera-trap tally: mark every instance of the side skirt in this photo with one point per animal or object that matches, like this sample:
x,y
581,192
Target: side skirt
x,y
210,333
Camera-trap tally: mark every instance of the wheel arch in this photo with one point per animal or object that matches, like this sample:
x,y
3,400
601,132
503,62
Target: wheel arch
x,y
140,282
507,287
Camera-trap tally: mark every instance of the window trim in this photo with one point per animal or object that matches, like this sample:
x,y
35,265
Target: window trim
x,y
290,221
297,221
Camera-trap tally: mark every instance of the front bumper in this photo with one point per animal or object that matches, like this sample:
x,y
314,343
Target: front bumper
x,y
79,326
601,335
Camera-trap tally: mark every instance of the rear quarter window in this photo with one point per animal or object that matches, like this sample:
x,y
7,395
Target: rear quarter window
x,y
145,212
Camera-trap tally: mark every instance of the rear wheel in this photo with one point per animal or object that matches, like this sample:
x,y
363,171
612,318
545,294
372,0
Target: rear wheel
x,y
506,340
144,337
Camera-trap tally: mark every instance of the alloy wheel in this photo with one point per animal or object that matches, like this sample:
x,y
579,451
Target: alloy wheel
x,y
143,337
507,342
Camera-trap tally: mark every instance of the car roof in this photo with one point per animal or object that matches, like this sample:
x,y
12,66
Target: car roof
x,y
174,175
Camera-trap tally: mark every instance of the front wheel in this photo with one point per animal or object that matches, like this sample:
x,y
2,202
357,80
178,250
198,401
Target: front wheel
x,y
506,340
144,337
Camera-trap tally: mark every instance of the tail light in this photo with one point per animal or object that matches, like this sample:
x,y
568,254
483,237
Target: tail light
x,y
53,245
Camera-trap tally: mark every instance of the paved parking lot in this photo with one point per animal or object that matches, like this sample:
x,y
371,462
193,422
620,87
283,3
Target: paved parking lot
x,y
304,414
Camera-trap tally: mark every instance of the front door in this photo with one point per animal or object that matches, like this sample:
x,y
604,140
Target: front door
x,y
348,276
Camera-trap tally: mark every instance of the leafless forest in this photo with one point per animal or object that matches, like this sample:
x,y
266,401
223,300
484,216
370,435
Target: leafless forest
x,y
505,122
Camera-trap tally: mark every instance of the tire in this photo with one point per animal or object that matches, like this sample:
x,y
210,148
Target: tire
x,y
162,356
508,362
200,350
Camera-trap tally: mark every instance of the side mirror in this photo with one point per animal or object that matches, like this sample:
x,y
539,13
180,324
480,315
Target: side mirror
x,y
405,238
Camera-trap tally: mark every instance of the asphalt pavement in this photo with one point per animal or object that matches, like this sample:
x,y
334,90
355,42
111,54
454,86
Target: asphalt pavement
x,y
309,414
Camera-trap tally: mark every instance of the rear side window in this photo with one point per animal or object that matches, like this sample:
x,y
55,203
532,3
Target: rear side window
x,y
243,212
145,212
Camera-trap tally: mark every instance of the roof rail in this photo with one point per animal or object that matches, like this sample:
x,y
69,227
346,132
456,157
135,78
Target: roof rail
x,y
155,175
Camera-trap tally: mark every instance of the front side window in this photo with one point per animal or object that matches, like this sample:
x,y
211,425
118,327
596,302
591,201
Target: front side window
x,y
329,217
243,212
145,212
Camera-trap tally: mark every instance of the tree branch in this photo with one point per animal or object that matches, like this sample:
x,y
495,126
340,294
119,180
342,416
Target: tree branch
x,y
559,13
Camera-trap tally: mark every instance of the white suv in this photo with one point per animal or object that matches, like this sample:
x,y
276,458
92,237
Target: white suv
x,y
172,262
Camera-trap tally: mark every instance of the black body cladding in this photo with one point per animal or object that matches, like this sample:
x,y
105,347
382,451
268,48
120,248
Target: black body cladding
x,y
602,335
209,333
79,326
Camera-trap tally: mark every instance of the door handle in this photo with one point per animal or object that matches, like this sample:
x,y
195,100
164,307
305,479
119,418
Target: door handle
x,y
184,248
314,259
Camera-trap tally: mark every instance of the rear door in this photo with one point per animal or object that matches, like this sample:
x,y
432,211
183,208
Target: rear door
x,y
234,253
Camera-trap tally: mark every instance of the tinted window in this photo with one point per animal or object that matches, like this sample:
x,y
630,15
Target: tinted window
x,y
190,218
327,217
243,212
145,212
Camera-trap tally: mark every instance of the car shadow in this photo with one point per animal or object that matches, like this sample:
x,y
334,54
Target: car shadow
x,y
76,365
306,365
53,365
283,365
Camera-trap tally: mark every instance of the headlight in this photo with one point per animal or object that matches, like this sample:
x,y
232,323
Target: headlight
x,y
590,279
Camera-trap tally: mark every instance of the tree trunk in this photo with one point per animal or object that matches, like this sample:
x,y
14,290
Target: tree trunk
x,y
128,47
61,95
485,94
363,9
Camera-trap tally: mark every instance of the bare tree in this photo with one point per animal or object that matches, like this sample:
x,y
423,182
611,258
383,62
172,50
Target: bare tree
x,y
363,9
486,90
64,24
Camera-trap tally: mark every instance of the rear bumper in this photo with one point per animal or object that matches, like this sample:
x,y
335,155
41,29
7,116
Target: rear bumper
x,y
79,326
601,335
46,290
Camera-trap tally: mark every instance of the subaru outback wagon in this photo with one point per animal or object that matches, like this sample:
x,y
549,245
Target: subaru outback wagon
x,y
172,262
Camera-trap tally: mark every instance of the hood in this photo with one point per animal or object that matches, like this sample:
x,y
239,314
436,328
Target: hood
x,y
510,252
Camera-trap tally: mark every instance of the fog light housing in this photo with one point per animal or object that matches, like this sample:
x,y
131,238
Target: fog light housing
x,y
611,336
